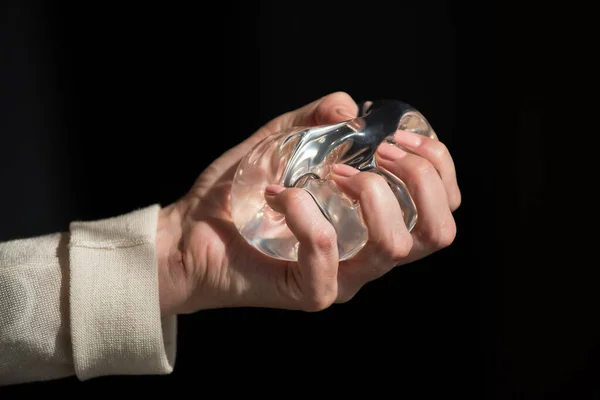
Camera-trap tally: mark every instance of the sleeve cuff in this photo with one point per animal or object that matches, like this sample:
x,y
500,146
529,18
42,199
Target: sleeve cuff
x,y
116,326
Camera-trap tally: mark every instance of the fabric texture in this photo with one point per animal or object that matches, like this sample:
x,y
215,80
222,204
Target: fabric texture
x,y
84,303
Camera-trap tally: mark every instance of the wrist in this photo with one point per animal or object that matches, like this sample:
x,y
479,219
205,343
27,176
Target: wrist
x,y
172,282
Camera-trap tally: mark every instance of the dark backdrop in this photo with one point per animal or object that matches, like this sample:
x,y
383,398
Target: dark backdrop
x,y
106,108
109,108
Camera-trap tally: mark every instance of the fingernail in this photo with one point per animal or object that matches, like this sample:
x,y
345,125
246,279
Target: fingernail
x,y
390,152
409,139
344,170
273,190
345,112
366,105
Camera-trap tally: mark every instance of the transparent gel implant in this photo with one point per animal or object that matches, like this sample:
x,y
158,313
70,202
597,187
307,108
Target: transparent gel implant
x,y
301,157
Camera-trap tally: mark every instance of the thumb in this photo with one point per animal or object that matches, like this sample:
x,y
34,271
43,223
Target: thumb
x,y
335,107
329,109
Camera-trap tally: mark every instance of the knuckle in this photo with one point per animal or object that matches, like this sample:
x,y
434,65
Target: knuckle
x,y
374,181
346,296
441,236
456,200
371,185
325,238
398,248
439,151
447,235
319,301
423,168
401,247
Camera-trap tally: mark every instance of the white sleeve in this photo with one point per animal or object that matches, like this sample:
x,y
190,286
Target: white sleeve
x,y
84,303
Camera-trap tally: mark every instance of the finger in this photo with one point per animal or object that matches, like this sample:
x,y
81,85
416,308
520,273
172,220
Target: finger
x,y
438,155
366,105
313,281
435,228
335,107
389,240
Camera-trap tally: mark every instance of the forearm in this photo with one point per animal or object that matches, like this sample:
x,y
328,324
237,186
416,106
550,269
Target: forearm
x,y
85,303
35,338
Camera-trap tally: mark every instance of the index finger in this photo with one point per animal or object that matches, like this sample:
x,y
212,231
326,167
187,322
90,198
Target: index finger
x,y
313,279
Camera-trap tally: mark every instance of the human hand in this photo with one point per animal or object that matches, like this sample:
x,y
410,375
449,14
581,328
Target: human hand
x,y
204,263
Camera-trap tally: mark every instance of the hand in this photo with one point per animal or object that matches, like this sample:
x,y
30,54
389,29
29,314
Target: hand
x,y
204,263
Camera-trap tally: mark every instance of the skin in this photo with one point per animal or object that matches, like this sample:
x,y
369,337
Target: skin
x,y
203,263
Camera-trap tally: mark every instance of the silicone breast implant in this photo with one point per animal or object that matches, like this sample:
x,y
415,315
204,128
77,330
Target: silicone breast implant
x,y
264,228
302,157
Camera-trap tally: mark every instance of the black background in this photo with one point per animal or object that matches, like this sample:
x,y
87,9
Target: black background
x,y
106,108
